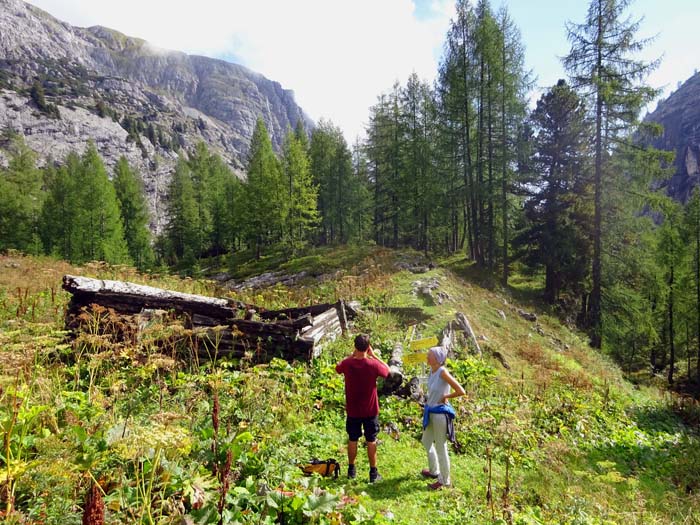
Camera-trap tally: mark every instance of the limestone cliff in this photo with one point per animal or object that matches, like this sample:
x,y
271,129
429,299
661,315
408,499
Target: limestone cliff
x,y
130,98
680,116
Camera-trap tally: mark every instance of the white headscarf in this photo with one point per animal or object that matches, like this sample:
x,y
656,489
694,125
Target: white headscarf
x,y
439,353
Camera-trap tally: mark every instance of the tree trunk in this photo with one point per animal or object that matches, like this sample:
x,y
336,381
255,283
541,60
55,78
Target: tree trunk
x,y
697,294
595,300
491,241
672,345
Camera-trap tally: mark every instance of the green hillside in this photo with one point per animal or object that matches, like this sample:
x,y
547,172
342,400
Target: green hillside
x,y
559,437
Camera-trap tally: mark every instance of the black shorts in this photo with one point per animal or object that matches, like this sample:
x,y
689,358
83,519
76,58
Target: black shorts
x,y
355,425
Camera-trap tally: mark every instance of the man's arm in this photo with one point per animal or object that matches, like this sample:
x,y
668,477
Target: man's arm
x,y
372,355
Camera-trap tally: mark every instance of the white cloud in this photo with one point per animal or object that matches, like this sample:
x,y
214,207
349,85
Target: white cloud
x,y
337,56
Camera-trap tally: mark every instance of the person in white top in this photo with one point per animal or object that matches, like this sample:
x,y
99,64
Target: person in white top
x,y
437,421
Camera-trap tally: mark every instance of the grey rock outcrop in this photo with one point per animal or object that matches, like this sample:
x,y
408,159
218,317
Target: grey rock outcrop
x,y
680,116
130,98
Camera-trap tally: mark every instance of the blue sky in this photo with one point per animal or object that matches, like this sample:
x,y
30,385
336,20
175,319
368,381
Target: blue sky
x,y
338,56
673,23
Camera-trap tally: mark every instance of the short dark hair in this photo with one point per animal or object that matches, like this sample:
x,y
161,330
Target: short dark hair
x,y
362,342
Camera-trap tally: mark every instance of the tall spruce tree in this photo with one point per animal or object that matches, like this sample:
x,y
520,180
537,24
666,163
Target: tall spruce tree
x,y
386,151
134,213
559,191
223,205
205,191
602,66
361,205
418,192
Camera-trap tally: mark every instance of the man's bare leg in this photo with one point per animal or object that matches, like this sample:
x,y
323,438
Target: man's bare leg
x,y
371,453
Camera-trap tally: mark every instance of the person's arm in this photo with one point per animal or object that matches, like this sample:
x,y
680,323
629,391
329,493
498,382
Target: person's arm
x,y
457,390
339,368
372,355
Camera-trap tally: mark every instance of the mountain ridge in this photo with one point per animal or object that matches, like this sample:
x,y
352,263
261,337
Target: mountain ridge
x,y
130,97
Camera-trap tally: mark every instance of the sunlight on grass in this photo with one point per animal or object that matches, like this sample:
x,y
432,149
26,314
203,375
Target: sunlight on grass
x,y
580,443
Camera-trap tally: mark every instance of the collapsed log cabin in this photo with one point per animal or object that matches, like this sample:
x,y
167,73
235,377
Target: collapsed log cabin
x,y
218,327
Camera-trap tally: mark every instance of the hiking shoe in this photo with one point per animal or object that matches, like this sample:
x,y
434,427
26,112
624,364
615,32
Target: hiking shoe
x,y
352,473
427,474
374,475
435,486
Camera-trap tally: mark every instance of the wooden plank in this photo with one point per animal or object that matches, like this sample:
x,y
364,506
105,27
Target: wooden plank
x,y
257,327
326,316
293,313
299,323
340,308
132,298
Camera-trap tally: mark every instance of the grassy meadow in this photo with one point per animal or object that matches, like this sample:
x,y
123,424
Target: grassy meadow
x,y
559,437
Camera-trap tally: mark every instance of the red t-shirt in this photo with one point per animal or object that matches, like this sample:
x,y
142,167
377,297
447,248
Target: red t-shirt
x,y
361,398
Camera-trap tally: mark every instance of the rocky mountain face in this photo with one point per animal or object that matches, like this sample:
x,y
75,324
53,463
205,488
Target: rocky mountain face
x,y
680,116
129,98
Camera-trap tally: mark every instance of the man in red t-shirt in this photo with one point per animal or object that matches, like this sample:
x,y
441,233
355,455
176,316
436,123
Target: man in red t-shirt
x,y
361,370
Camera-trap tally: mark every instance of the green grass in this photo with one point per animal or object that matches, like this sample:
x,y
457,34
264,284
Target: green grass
x,y
583,445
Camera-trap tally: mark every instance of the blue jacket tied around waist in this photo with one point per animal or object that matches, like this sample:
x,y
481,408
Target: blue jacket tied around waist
x,y
450,414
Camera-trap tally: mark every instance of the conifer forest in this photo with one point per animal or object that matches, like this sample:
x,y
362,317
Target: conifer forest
x,y
545,220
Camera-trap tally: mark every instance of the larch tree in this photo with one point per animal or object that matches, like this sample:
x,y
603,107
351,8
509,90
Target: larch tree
x,y
692,231
99,233
182,230
134,213
302,214
513,83
265,196
21,202
457,85
602,65
60,208
332,174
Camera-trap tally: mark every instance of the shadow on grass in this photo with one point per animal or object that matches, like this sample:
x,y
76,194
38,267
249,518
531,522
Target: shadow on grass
x,y
657,419
395,487
403,314
315,261
527,289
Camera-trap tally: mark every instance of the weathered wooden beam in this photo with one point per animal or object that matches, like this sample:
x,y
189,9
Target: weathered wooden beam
x,y
447,339
342,316
467,327
257,328
314,310
293,313
132,298
298,323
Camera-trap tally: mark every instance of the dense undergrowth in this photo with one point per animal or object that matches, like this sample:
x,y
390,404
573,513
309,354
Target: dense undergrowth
x,y
558,438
